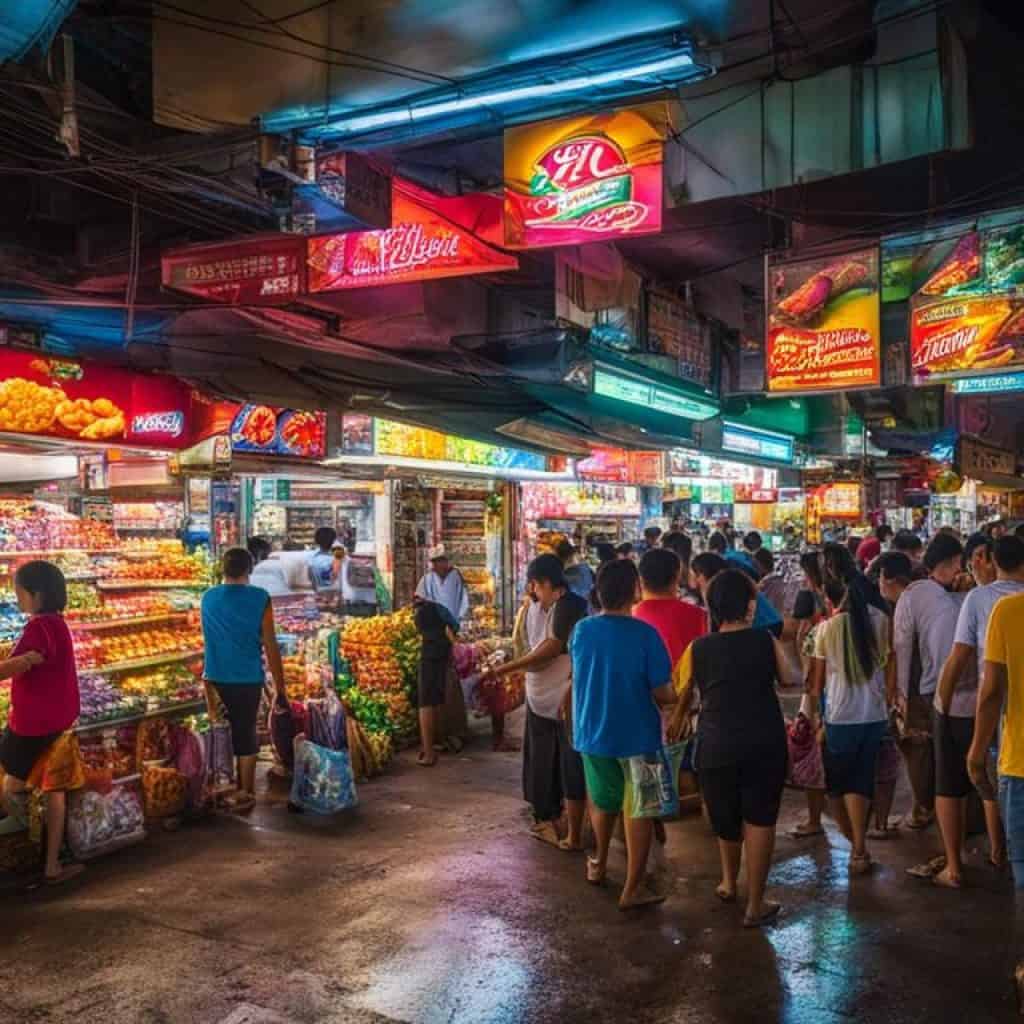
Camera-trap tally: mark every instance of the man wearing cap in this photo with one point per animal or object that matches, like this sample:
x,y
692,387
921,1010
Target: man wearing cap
x,y
552,770
443,584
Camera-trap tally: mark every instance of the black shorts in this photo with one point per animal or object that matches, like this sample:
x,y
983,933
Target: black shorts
x,y
18,754
952,738
552,770
242,706
744,787
433,676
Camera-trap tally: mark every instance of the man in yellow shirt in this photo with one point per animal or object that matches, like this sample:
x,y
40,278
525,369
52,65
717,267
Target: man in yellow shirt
x,y
1003,682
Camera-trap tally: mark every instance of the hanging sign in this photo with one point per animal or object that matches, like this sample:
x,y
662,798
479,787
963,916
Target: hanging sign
x,y
86,401
423,244
748,494
762,444
585,179
978,461
989,385
250,272
636,390
262,429
968,316
839,501
824,323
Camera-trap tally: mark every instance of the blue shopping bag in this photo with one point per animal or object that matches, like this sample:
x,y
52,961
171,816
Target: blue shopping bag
x,y
322,781
653,782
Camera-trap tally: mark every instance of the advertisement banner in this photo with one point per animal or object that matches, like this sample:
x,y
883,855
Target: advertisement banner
x,y
424,244
762,444
968,316
824,323
409,442
262,429
585,179
79,400
264,271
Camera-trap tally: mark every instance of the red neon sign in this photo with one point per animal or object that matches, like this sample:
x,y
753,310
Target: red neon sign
x,y
425,242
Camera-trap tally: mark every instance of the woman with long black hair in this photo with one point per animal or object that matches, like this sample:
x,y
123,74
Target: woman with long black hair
x,y
851,651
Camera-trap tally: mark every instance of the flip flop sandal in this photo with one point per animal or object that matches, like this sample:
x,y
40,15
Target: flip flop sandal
x,y
595,874
928,869
724,896
423,762
645,898
564,844
66,874
861,865
917,824
240,805
805,832
545,832
768,917
883,834
937,880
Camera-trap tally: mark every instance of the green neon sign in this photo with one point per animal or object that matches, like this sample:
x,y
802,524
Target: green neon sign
x,y
645,393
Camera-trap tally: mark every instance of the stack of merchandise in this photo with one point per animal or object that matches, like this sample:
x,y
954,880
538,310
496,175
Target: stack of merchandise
x,y
38,527
382,655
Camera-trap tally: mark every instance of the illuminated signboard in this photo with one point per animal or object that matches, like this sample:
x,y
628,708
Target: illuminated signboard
x,y
261,429
824,323
423,244
585,179
260,271
80,400
989,385
401,439
638,391
761,444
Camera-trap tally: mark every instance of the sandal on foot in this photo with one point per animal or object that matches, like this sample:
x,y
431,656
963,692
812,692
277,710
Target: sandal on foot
x,y
929,869
861,865
916,823
564,844
426,762
595,873
805,830
645,897
767,916
947,882
725,895
545,832
66,873
240,804
884,834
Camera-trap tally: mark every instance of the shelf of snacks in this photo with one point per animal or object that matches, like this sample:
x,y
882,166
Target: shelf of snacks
x,y
150,517
33,527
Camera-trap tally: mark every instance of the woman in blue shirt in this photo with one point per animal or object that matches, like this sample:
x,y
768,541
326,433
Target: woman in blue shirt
x,y
238,626
621,675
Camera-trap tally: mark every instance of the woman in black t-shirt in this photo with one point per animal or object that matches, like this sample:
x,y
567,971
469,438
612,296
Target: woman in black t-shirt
x,y
741,740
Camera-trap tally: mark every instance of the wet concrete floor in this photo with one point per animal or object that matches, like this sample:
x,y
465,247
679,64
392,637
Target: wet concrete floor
x,y
430,904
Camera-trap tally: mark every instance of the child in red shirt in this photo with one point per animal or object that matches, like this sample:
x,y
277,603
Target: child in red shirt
x,y
44,700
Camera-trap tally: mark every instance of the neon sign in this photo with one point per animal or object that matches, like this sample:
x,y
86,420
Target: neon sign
x,y
584,179
639,391
423,244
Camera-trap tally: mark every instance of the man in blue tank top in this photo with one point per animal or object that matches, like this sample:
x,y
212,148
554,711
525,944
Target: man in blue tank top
x,y
238,626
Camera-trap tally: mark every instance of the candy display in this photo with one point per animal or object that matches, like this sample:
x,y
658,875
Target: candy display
x,y
163,569
47,529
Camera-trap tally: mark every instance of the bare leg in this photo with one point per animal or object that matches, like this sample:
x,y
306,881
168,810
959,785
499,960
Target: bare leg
x,y
815,807
857,810
729,853
604,826
574,811
247,776
15,799
996,836
499,740
842,818
951,813
639,832
56,808
760,843
885,793
428,729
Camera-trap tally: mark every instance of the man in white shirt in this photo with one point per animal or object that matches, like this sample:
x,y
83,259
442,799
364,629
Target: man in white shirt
x,y
443,584
923,629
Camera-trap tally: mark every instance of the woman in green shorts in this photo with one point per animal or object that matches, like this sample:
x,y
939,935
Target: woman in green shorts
x,y
621,675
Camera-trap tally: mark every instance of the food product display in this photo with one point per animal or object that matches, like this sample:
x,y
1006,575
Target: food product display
x,y
164,568
47,529
150,516
383,654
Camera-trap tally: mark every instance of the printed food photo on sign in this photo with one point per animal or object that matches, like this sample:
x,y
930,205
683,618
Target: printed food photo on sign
x,y
270,431
824,323
968,317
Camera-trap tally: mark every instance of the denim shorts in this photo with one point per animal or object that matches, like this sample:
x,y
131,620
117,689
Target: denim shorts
x,y
850,755
1011,805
